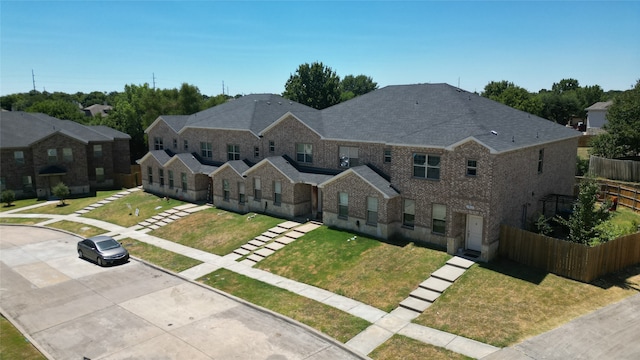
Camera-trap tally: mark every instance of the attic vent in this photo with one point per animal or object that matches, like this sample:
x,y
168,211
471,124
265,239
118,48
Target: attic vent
x,y
494,132
279,102
268,102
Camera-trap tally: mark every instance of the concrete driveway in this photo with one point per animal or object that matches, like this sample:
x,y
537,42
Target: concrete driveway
x,y
72,308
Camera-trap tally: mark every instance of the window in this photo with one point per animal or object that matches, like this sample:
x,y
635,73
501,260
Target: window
x,y
343,205
438,219
419,165
170,179
304,153
233,152
18,156
409,213
257,189
52,156
161,176
158,143
277,192
241,193
3,184
256,151
472,168
348,156
186,145
97,151
387,156
433,167
205,150
100,174
175,143
372,210
540,160
272,146
150,175
225,190
426,166
67,155
183,178
26,182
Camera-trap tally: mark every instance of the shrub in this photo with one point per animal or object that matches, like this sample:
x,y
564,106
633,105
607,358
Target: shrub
x,y
8,196
61,191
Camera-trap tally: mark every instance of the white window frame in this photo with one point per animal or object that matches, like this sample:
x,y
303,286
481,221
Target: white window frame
x,y
257,189
277,193
233,152
206,150
438,219
472,167
67,154
409,213
343,205
372,210
304,153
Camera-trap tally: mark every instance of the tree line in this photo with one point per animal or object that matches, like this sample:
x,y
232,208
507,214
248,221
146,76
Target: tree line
x,y
319,86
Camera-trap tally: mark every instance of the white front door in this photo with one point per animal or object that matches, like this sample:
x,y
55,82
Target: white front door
x,y
474,232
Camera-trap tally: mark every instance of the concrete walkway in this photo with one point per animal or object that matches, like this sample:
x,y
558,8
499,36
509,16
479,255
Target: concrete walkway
x,y
384,325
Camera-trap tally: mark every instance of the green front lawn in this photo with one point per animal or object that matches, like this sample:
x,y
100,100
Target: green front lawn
x,y
19,204
123,210
216,231
21,221
71,205
402,347
83,230
358,267
503,303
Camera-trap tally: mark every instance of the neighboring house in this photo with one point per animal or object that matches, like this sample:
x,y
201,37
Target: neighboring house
x,y
39,151
429,162
97,109
597,116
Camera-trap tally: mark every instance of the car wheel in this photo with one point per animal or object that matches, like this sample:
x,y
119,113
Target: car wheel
x,y
100,261
80,254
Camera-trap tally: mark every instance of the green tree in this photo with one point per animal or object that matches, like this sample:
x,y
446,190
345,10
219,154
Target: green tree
x,y
586,216
512,95
189,99
61,191
61,109
494,89
314,85
623,127
8,197
565,85
352,86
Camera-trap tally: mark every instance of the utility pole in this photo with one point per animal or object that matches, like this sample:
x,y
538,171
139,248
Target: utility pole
x,y
154,80
33,79
222,87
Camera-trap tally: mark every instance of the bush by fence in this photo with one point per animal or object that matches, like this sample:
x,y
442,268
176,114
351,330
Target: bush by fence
x,y
567,259
624,170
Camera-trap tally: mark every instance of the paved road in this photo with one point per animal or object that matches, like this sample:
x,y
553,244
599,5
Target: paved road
x,y
72,308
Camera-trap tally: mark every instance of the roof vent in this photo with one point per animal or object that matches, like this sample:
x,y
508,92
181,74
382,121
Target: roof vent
x,y
268,102
513,139
279,102
494,132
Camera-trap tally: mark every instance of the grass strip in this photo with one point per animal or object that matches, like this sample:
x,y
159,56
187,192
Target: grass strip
x,y
71,205
13,345
161,257
331,321
402,347
21,221
81,229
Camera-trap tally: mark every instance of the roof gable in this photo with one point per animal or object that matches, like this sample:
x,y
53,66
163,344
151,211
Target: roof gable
x,y
366,174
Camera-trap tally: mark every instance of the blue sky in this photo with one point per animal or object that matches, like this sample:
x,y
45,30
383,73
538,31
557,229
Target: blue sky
x,y
254,46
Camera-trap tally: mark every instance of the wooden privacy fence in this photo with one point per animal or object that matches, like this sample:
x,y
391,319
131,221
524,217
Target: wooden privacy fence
x,y
624,170
567,259
627,195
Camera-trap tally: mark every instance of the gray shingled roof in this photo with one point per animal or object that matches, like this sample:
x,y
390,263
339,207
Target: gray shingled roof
x,y
602,105
20,129
251,112
436,115
194,165
431,115
365,172
292,173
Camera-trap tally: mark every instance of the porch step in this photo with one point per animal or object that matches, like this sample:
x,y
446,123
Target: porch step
x,y
241,251
460,262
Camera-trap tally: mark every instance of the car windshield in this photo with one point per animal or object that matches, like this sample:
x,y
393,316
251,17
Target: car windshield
x,y
107,244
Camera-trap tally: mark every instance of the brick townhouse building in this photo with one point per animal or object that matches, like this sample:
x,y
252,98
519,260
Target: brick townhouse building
x,y
38,151
429,162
